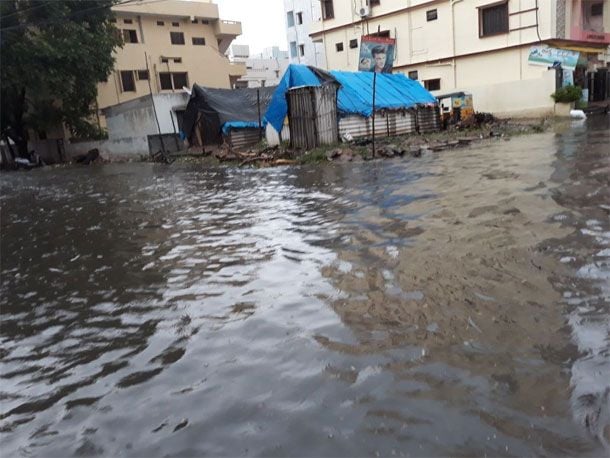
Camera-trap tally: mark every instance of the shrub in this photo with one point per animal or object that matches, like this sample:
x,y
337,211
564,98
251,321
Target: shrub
x,y
567,94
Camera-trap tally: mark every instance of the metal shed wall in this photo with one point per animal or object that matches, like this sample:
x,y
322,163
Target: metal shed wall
x,y
243,138
428,119
386,124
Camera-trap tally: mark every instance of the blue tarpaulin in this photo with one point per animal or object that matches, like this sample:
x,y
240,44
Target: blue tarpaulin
x,y
294,76
227,126
355,95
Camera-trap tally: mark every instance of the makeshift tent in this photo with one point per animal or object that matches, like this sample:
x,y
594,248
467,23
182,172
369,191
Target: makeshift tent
x,y
218,111
355,95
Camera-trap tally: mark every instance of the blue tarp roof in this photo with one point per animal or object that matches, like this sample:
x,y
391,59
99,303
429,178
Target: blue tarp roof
x,y
355,95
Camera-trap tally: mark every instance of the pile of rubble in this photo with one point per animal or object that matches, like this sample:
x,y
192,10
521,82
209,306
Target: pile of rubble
x,y
267,156
413,147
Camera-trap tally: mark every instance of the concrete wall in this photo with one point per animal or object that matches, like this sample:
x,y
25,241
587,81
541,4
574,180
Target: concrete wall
x,y
137,118
116,149
530,97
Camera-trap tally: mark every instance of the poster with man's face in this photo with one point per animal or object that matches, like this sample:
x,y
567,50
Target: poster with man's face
x,y
376,54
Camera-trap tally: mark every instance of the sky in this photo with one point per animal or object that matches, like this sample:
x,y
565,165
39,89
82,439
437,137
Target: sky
x,y
262,22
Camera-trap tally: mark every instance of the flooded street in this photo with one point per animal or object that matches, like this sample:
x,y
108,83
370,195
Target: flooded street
x,y
457,304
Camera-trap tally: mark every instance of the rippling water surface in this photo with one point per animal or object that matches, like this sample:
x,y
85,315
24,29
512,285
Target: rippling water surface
x,y
457,304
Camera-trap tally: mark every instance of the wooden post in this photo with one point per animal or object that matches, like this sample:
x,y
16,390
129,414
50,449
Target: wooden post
x,y
258,103
374,89
171,116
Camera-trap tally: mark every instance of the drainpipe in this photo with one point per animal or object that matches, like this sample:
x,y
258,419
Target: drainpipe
x,y
453,3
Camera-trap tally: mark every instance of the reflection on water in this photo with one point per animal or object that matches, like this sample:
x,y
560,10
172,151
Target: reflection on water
x,y
455,304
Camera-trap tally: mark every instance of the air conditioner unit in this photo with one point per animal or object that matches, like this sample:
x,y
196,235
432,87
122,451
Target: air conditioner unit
x,y
364,11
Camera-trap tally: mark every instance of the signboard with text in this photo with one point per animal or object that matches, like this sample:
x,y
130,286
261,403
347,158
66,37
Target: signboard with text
x,y
553,57
376,54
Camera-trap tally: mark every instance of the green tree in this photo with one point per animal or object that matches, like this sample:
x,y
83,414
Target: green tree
x,y
53,53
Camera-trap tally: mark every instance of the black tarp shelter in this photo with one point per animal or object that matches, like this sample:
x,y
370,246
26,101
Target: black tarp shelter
x,y
218,111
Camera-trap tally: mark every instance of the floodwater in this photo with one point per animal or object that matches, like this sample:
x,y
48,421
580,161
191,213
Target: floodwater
x,y
456,304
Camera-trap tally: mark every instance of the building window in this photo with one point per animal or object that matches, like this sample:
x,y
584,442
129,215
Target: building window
x,y
194,21
353,43
597,9
130,36
177,60
262,83
128,21
433,85
160,23
165,79
180,80
205,21
127,81
301,50
328,12
293,49
175,24
290,19
199,41
339,47
164,60
413,75
493,20
177,38
299,18
374,2
142,74
431,15
174,81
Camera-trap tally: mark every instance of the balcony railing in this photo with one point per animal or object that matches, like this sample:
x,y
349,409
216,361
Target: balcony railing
x,y
232,28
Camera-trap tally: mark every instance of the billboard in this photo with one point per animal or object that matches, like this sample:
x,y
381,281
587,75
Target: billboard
x,y
376,54
553,57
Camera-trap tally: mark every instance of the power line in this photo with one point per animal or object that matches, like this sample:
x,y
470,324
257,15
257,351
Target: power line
x,y
74,14
25,10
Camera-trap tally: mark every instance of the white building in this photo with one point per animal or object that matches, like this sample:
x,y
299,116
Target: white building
x,y
485,47
262,70
300,14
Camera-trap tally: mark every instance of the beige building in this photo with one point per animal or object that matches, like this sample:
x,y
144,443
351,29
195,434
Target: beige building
x,y
480,46
169,45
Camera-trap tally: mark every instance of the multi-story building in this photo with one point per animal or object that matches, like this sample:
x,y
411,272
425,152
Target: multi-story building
x,y
300,14
262,70
479,46
169,45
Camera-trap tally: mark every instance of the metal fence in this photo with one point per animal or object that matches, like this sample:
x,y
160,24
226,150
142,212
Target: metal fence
x,y
170,143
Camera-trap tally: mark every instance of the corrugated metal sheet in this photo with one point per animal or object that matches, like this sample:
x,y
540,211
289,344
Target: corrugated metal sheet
x,y
386,124
312,115
243,138
326,110
428,119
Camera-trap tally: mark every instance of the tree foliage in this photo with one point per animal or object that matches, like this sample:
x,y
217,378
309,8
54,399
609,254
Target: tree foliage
x,y
53,54
567,94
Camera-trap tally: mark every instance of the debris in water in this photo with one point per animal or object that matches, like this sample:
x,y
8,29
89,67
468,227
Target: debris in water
x,y
181,425
473,324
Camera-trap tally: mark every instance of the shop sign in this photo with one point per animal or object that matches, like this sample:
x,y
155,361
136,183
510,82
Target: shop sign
x,y
553,57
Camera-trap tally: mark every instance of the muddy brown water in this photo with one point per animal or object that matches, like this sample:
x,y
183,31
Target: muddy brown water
x,y
457,304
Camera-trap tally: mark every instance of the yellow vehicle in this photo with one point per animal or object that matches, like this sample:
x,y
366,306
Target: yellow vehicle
x,y
456,106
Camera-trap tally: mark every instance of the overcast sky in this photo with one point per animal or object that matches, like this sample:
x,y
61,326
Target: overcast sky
x,y
262,22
